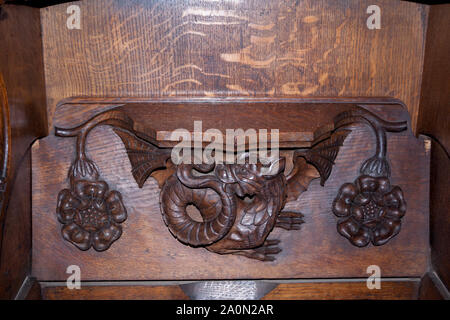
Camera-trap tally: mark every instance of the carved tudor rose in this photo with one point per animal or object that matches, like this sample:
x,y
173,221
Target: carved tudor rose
x,y
91,214
239,205
371,210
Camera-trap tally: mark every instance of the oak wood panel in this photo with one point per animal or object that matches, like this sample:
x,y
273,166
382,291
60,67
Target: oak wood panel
x,y
434,120
139,255
21,66
390,290
112,292
234,48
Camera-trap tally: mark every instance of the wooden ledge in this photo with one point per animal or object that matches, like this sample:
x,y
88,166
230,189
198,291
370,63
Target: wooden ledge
x,y
300,122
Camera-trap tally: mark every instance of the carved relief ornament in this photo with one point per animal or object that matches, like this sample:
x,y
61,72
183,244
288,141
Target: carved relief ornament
x,y
238,204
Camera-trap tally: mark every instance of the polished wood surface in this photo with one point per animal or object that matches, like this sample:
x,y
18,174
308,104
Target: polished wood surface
x,y
248,48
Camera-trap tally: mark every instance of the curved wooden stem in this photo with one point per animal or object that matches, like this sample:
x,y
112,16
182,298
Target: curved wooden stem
x,y
378,165
112,118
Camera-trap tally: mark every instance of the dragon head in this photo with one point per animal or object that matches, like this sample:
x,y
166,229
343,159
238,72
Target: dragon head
x,y
248,178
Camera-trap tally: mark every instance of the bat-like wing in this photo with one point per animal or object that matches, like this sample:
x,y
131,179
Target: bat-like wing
x,y
323,154
144,156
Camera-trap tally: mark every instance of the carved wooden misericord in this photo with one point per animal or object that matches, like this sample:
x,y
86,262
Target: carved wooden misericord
x,y
239,203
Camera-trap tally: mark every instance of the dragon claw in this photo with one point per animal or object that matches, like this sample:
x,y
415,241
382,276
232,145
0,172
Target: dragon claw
x,y
289,220
265,252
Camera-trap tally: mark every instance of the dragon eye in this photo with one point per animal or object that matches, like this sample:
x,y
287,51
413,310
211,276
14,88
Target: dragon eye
x,y
242,170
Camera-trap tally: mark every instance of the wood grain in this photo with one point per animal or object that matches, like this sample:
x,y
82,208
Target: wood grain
x,y
114,292
223,48
390,290
139,255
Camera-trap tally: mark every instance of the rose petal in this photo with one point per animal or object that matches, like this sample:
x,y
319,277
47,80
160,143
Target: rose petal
x,y
362,199
390,200
357,213
353,231
378,199
91,189
342,202
340,208
99,204
394,203
103,238
386,230
115,206
383,185
67,206
367,183
78,236
394,214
